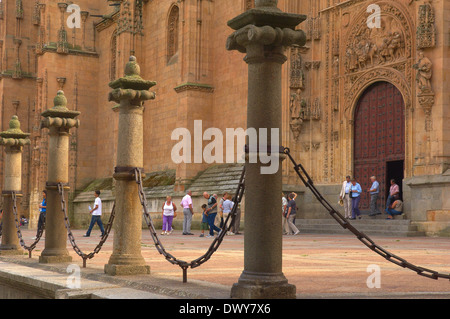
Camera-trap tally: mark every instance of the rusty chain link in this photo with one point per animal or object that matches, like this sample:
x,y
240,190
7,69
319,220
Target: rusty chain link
x,y
306,179
19,232
77,249
214,245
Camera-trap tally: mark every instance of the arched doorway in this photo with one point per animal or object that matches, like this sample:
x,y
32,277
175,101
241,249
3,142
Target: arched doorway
x,y
379,139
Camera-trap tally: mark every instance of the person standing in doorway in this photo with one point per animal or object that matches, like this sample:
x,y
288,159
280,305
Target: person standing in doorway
x,y
188,213
96,215
394,193
356,197
374,190
345,197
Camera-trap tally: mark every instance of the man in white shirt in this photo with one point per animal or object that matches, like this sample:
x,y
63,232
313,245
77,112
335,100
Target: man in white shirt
x,y
96,215
345,197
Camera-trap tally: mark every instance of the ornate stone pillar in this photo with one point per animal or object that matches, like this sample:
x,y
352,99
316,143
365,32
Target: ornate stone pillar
x,y
14,140
130,91
262,33
59,120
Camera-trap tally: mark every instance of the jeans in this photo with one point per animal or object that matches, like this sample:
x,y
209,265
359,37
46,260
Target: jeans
x,y
373,204
355,206
390,200
187,221
290,227
212,227
393,212
347,205
98,220
167,223
41,221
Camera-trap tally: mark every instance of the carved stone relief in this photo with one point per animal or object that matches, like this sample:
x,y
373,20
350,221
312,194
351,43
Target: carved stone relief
x,y
426,29
378,54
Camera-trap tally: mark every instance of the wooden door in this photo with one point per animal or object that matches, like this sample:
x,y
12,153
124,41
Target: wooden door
x,y
379,137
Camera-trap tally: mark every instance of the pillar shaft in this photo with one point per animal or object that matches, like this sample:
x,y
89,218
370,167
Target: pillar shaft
x,y
58,172
12,182
262,211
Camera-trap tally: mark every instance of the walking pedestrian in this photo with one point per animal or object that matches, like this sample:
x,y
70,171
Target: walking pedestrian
x,y
291,214
237,220
96,215
42,213
212,213
374,190
355,191
284,203
188,213
204,225
227,207
169,213
224,197
345,197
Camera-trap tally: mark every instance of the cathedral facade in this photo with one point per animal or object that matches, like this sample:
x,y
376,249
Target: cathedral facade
x,y
367,95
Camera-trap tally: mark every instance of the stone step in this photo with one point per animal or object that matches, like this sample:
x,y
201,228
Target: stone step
x,y
355,222
401,228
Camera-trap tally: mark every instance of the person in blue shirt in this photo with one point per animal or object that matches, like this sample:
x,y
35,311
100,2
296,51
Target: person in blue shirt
x,y
374,190
42,212
356,191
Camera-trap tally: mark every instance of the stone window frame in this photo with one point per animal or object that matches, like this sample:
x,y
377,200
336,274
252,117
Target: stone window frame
x,y
173,31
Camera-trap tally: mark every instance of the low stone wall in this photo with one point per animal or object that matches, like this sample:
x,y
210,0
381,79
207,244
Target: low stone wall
x,y
427,200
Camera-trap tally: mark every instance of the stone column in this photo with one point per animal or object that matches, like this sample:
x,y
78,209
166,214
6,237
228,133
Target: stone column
x,y
59,120
130,91
262,33
14,140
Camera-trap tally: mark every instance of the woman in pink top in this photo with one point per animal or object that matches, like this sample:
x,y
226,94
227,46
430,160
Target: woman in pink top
x,y
394,192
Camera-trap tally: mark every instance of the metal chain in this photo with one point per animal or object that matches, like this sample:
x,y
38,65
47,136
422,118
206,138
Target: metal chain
x,y
306,179
19,232
214,245
77,249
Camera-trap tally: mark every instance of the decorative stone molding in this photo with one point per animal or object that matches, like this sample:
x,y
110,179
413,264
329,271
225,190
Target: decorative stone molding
x,y
375,75
189,86
426,29
60,116
14,137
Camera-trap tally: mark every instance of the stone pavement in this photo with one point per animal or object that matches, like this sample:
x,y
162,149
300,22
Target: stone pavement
x,y
321,266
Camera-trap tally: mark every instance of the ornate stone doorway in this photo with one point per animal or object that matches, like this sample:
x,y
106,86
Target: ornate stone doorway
x,y
379,139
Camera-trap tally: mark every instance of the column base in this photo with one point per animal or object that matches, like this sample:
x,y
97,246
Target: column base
x,y
263,286
11,252
126,270
54,259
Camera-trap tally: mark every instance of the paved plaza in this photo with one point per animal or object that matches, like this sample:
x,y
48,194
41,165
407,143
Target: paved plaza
x,y
321,266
